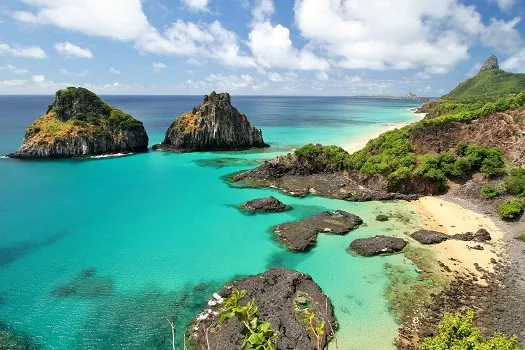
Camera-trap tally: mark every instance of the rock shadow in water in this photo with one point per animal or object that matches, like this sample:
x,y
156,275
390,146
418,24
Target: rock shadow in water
x,y
87,284
142,320
10,254
219,163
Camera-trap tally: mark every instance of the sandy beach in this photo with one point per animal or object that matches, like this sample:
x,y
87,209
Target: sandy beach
x,y
356,145
450,218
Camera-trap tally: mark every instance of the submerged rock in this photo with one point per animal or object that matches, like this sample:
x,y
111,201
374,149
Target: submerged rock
x,y
377,245
283,298
214,125
88,284
429,237
265,205
80,124
300,235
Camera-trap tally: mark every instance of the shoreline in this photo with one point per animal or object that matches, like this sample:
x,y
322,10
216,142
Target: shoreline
x,y
356,145
489,281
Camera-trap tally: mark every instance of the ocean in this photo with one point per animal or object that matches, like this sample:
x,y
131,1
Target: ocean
x,y
97,253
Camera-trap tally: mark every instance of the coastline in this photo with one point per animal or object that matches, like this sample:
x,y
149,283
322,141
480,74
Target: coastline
x,y
489,281
356,145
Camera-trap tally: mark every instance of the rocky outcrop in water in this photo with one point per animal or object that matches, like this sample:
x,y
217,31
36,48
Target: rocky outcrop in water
x,y
301,235
80,124
377,245
265,205
283,297
300,177
214,125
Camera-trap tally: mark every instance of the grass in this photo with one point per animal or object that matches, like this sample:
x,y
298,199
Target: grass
x,y
491,83
522,237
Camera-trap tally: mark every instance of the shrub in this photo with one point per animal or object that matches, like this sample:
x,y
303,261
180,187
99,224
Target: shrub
x,y
488,191
323,156
457,332
493,164
515,182
511,209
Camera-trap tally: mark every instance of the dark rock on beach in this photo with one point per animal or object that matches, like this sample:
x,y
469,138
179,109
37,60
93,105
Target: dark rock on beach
x,y
80,124
382,217
214,125
481,235
377,245
265,205
429,237
282,296
300,235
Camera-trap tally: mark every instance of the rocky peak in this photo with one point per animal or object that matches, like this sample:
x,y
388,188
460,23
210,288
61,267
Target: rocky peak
x,y
490,63
212,126
78,103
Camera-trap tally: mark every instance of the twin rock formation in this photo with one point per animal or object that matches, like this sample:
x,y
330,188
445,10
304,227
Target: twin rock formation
x,y
80,124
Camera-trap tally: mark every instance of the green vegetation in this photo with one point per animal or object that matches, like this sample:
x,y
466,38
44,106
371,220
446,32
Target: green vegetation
x,y
511,209
490,83
332,157
315,325
448,111
457,332
522,237
119,119
391,155
515,182
258,335
488,191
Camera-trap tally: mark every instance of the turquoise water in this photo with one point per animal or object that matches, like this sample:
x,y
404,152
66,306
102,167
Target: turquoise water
x,y
162,232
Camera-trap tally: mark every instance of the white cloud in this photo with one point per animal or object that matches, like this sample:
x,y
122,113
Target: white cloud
x,y
323,76
19,51
38,78
275,77
422,76
271,44
503,36
13,82
113,70
158,66
505,5
13,69
229,82
71,50
363,34
197,5
124,20
474,70
515,63
83,73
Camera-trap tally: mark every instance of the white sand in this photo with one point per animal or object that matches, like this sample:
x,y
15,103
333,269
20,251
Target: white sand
x,y
450,218
356,145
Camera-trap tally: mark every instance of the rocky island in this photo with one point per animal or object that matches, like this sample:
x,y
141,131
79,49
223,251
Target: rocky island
x,y
286,309
214,125
80,124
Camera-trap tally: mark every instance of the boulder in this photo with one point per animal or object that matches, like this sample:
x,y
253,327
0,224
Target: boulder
x,y
80,124
429,237
481,235
214,125
377,245
265,205
301,235
282,297
382,217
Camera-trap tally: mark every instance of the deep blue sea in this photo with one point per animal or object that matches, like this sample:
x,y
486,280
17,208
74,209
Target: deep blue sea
x,y
96,254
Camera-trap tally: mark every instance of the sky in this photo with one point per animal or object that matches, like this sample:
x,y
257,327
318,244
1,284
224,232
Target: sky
x,y
255,47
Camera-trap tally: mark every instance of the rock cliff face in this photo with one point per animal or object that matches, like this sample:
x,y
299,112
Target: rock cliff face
x,y
283,297
215,125
490,63
79,124
505,130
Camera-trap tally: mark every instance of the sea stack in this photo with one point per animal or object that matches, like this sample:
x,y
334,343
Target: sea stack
x,y
214,125
80,124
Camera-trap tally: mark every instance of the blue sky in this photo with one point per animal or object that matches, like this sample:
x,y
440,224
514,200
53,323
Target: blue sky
x,y
284,47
